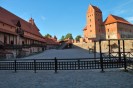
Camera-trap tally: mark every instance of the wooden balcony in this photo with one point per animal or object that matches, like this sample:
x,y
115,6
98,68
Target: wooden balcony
x,y
38,45
9,46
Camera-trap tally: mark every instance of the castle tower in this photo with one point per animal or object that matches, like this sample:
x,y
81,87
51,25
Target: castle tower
x,y
93,28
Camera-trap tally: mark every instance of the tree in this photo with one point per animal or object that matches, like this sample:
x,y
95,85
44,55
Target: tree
x,y
77,37
69,35
62,38
48,36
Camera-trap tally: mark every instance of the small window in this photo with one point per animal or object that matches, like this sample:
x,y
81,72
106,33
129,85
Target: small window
x,y
22,42
108,36
108,30
90,25
90,20
90,30
12,42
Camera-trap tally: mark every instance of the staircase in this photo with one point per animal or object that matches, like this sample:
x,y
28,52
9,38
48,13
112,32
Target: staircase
x,y
63,45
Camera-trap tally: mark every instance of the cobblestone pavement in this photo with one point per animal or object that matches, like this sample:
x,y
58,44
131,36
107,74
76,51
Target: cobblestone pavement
x,y
66,79
111,78
63,54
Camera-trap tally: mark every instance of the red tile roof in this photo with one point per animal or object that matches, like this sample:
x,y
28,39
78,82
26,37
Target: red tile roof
x,y
112,19
7,31
96,9
11,19
51,41
85,28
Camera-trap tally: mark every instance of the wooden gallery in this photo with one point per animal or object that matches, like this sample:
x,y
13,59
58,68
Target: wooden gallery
x,y
18,37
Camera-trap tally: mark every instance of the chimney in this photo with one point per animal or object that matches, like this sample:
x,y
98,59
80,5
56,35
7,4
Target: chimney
x,y
31,21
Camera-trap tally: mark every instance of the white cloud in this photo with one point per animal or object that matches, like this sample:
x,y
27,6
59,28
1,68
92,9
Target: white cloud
x,y
118,12
43,18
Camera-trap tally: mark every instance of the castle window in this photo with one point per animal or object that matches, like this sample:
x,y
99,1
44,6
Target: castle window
x,y
12,42
22,42
90,30
90,25
108,36
90,20
108,30
5,39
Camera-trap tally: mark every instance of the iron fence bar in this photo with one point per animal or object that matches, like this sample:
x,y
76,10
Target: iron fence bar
x,y
109,48
94,49
15,67
35,66
125,64
119,48
78,64
56,67
101,58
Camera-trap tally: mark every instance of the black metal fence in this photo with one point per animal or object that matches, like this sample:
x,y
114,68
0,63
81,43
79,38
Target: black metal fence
x,y
64,64
120,59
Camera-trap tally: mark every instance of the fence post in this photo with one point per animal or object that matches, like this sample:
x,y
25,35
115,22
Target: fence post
x,y
78,64
95,49
119,49
101,58
15,67
56,67
109,49
125,63
35,66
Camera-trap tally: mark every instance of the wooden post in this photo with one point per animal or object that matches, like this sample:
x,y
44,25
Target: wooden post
x,y
101,58
56,67
119,49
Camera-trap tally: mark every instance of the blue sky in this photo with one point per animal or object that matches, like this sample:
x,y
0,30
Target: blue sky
x,y
59,17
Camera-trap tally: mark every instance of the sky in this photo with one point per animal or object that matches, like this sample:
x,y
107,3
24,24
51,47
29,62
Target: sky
x,y
59,17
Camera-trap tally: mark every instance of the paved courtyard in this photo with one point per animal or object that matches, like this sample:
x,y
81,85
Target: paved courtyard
x,y
66,79
62,54
111,78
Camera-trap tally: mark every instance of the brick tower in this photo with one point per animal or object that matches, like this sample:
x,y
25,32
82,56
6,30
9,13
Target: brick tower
x,y
93,29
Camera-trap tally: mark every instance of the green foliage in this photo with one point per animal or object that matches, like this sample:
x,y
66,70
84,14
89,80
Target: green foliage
x,y
77,37
69,35
62,38
48,36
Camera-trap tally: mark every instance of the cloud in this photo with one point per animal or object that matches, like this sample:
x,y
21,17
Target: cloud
x,y
130,19
120,9
43,18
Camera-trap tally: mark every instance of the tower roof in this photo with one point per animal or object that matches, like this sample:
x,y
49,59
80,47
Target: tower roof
x,y
96,8
112,19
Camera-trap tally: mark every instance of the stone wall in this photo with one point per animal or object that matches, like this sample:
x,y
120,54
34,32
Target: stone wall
x,y
105,47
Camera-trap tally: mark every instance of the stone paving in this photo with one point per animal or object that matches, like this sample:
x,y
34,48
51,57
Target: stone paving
x,y
62,54
111,78
66,79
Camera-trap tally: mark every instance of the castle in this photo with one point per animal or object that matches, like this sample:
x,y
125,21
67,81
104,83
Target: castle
x,y
113,27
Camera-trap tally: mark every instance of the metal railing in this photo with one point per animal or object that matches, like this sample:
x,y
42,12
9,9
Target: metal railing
x,y
63,64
